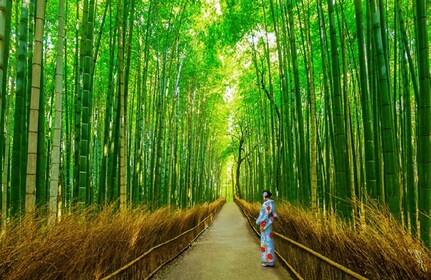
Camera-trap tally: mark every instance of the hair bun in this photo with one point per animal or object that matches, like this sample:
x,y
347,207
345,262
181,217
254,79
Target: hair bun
x,y
267,193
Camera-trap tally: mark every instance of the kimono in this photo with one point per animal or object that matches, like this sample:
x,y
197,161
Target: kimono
x,y
266,218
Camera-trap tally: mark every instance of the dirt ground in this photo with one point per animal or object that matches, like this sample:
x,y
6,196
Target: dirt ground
x,y
228,250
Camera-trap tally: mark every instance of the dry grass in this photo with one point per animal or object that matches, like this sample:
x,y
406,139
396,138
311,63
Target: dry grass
x,y
381,249
89,245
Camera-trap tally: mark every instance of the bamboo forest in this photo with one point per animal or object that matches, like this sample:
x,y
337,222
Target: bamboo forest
x,y
111,108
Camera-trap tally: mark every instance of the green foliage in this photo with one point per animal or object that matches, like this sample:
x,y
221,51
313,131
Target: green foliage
x,y
239,17
204,75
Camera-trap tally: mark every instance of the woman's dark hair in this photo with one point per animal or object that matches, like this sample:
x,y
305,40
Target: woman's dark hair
x,y
268,193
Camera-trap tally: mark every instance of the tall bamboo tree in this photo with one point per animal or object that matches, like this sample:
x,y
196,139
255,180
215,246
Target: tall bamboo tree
x,y
5,173
424,124
328,112
3,79
347,114
77,99
367,112
105,175
18,167
391,165
312,97
287,145
122,113
301,153
55,165
84,144
4,137
341,164
3,20
411,186
42,194
30,198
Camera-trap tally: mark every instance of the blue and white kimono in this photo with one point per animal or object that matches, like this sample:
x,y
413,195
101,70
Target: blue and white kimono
x,y
266,218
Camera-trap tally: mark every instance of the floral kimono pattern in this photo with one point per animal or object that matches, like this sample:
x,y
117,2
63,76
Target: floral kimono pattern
x,y
265,220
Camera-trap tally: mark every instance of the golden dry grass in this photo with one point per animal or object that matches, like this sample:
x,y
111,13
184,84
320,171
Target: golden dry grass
x,y
89,245
380,249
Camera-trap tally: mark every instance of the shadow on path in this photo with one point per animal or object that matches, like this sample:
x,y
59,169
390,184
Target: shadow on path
x,y
228,250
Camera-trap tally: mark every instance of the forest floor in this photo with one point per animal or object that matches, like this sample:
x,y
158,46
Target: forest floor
x,y
228,250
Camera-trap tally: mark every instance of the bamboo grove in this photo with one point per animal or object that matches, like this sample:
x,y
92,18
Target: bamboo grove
x,y
325,103
105,101
341,105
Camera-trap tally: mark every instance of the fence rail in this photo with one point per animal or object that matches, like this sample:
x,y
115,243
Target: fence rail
x,y
315,254
137,274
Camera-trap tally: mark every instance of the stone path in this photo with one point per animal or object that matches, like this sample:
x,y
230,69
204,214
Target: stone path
x,y
228,250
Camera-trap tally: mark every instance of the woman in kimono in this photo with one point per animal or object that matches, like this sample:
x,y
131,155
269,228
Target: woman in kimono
x,y
266,217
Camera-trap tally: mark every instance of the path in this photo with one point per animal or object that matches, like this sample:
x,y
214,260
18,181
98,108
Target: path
x,y
228,250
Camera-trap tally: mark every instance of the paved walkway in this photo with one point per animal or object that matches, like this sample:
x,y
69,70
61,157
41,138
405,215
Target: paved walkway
x,y
228,250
